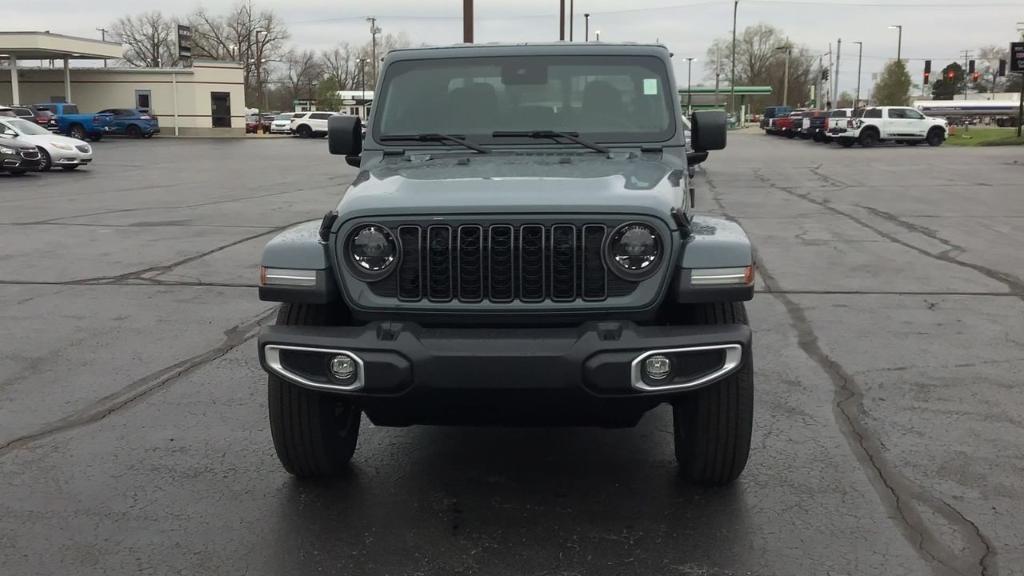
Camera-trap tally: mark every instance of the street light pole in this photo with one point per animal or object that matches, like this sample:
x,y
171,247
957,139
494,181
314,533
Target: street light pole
x,y
689,86
899,40
586,27
860,57
732,79
374,30
259,65
467,21
839,52
103,37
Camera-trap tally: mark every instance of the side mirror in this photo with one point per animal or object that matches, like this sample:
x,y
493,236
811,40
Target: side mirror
x,y
709,130
345,135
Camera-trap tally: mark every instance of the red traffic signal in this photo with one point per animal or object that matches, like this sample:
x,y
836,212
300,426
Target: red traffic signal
x,y
975,76
951,75
926,75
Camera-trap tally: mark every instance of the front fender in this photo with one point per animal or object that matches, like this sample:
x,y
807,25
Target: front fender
x,y
716,264
295,267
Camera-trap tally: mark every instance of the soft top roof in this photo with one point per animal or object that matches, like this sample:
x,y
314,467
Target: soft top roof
x,y
546,49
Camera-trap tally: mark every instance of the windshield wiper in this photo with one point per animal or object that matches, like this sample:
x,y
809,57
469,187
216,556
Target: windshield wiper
x,y
554,135
436,137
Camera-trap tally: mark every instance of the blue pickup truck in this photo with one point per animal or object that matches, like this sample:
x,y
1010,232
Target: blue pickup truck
x,y
112,121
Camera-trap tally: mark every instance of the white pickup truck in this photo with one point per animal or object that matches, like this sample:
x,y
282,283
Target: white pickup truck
x,y
889,123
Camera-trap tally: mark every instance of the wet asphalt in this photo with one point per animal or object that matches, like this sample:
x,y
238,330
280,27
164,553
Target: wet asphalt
x,y
889,341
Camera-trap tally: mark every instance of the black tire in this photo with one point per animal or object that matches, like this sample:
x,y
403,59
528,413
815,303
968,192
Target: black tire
x,y
868,138
77,131
133,131
847,142
69,168
712,426
315,433
45,162
304,131
935,137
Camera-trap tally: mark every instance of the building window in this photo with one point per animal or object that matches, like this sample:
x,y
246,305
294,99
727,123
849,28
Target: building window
x,y
142,100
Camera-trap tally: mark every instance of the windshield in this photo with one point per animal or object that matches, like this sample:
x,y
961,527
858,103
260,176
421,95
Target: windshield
x,y
27,128
284,117
602,98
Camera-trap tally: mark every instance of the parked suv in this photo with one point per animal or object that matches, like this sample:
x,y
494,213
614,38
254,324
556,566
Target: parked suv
x,y
309,124
837,121
893,123
519,247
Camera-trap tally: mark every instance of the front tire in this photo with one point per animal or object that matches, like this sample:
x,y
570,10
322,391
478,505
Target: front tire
x,y
315,433
304,131
935,137
868,138
45,162
712,426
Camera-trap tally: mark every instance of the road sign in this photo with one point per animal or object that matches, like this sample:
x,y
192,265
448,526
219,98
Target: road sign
x,y
185,44
1017,57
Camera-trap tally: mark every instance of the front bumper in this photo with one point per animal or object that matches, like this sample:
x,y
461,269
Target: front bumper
x,y
590,375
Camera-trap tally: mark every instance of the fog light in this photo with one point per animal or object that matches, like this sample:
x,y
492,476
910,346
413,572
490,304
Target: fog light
x,y
657,367
343,367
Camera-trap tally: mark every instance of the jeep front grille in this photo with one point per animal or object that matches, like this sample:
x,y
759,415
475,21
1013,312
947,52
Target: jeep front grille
x,y
502,263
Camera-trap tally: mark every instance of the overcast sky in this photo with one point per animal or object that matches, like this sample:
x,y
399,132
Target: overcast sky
x,y
936,29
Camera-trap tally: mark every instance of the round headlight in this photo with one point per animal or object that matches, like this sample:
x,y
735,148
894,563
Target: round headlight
x,y
372,249
634,249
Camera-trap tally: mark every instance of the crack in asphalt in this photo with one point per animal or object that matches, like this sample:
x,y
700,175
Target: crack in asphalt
x,y
1013,284
142,387
896,491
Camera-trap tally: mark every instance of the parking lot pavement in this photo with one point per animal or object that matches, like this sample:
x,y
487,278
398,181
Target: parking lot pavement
x,y
888,341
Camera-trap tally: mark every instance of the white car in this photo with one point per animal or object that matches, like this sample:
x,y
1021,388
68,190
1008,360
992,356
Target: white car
x,y
309,124
54,149
892,123
282,124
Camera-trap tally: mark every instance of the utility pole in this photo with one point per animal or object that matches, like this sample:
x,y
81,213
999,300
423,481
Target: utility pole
x,y
967,56
860,57
899,41
103,37
561,20
467,22
374,30
259,64
689,85
839,51
788,49
828,85
586,27
572,16
718,72
732,79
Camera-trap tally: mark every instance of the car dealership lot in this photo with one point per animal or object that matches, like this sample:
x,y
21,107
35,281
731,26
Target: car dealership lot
x,y
889,347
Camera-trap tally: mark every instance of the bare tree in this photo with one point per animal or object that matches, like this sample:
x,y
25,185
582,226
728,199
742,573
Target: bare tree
x,y
760,62
340,67
148,38
302,71
252,37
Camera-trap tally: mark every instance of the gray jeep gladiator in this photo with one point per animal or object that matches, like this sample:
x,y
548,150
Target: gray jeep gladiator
x,y
519,248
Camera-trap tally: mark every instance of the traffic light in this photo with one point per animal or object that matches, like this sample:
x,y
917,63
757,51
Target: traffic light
x,y
926,77
825,74
970,67
927,67
975,76
1002,68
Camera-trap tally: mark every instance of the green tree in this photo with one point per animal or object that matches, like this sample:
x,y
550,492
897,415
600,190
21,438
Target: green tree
x,y
893,88
949,83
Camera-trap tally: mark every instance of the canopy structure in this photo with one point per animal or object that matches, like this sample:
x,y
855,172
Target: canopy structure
x,y
48,46
698,97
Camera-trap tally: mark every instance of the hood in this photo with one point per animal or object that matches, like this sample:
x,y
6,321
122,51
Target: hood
x,y
516,183
17,143
45,139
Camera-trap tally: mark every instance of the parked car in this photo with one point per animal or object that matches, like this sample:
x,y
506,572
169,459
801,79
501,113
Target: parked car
x,y
17,156
282,123
309,124
44,116
252,124
130,122
501,286
789,124
837,120
813,125
265,121
6,111
23,112
771,113
54,149
896,124
71,122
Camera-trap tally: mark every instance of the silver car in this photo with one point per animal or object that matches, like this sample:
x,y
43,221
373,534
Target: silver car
x,y
282,123
55,150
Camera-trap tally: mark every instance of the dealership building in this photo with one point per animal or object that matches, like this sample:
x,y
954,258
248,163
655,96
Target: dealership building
x,y
205,99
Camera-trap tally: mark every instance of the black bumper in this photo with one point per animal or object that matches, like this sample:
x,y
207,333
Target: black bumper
x,y
569,375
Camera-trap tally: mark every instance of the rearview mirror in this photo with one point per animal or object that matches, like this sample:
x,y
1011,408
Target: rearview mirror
x,y
345,135
709,130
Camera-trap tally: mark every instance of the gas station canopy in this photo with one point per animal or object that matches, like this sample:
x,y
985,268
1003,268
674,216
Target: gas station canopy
x,y
16,46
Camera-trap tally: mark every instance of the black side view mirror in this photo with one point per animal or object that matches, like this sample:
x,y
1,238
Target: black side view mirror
x,y
345,135
709,130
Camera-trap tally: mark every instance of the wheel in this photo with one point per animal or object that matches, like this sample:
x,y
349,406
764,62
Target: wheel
x,y
847,142
868,138
133,131
45,162
304,131
935,137
314,432
712,425
69,168
77,131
